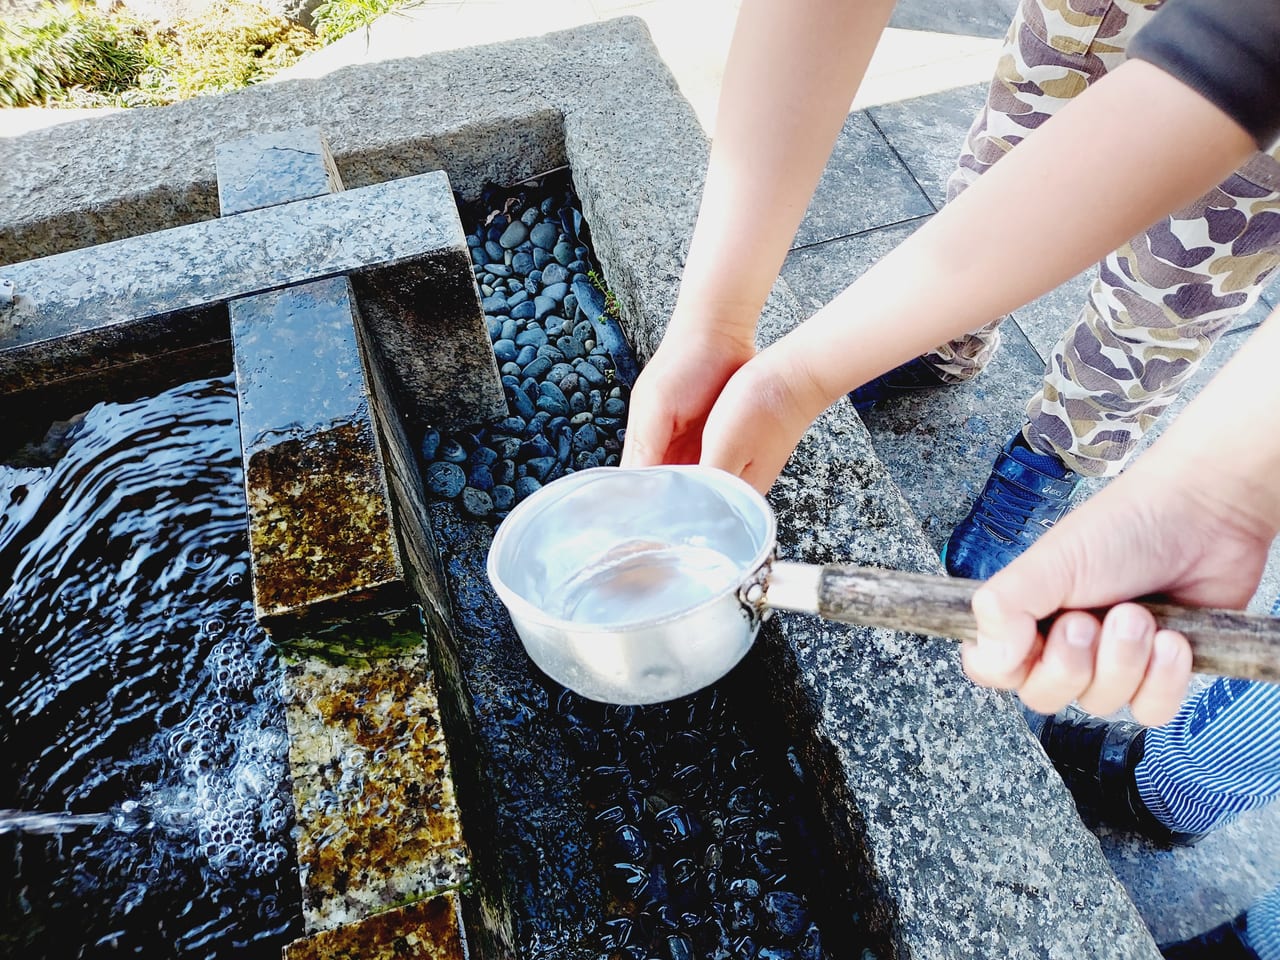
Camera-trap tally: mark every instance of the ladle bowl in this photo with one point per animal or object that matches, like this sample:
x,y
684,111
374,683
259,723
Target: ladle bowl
x,y
635,586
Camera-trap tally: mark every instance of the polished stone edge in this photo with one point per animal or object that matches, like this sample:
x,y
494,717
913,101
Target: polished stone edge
x,y
274,168
427,930
377,816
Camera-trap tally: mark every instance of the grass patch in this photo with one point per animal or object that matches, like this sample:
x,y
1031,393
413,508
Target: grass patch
x,y
76,55
337,18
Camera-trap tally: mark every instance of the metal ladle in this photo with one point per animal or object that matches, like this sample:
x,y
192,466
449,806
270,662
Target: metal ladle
x,y
637,586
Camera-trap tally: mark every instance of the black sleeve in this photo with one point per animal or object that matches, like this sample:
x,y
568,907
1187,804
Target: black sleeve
x,y
1227,50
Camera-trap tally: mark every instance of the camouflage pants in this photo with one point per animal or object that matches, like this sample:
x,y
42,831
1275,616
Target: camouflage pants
x,y
1160,302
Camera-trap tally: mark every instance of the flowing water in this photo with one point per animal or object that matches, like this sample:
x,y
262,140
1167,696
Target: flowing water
x,y
144,795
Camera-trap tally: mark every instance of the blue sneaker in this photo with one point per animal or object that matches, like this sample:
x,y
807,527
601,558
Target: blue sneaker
x,y
1026,494
910,377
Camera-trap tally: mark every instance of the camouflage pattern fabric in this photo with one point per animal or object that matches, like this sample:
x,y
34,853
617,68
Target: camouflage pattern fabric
x,y
1160,302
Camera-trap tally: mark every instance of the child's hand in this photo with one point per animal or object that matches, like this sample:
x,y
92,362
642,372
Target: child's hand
x,y
1152,530
676,391
761,414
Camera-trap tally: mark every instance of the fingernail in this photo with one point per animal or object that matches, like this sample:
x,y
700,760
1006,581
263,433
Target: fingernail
x,y
1000,657
1168,647
1130,624
1080,632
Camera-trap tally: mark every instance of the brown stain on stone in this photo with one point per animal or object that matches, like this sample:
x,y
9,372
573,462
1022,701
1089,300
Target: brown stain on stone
x,y
427,930
319,519
373,792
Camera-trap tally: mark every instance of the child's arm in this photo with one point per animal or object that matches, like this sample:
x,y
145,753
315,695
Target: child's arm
x,y
1135,145
792,72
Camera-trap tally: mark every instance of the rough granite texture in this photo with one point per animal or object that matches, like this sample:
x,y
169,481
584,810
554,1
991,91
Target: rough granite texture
x,y
378,822
970,842
427,930
81,310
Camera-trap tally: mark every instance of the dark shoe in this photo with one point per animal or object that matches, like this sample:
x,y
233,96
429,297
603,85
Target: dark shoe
x,y
912,376
1026,494
1224,942
1096,759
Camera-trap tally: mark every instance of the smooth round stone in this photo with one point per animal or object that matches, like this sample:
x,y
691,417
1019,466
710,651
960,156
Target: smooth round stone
x,y
597,402
497,304
600,362
539,422
505,350
480,477
510,368
526,356
509,329
541,258
544,235
531,286
586,416
540,468
570,383
554,273
493,251
578,403
538,367
495,328
530,217
522,263
477,503
504,471
612,460
556,291
590,373
543,305
479,256
558,372
547,389
510,427
583,330
552,353
525,486
580,252
486,290
586,460
430,443
552,324
474,240
570,304
507,447
504,498
585,438
500,270
452,451
536,276
517,296
520,403
524,310
613,407
515,234
532,337
482,455
445,479
609,423
556,408
786,912
570,347
536,446
547,206
563,252
578,267
512,382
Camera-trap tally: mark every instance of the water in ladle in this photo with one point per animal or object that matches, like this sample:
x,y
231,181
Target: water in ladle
x,y
644,579
144,785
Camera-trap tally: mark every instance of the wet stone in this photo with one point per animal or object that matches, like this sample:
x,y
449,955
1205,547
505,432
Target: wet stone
x,y
476,502
445,479
513,236
544,236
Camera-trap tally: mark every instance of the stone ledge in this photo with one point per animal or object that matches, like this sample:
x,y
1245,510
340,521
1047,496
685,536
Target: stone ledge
x,y
428,930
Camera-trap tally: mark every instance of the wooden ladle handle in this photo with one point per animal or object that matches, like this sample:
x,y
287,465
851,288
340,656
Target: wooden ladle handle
x,y
1223,642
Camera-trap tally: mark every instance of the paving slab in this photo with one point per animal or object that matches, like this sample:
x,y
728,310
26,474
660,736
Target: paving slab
x,y
927,133
982,18
863,186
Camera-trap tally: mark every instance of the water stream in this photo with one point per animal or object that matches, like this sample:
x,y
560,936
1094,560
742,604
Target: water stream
x,y
144,796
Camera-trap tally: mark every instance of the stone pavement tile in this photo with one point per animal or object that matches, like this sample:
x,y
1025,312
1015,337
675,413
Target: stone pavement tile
x,y
928,132
939,446
863,186
1184,891
982,18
